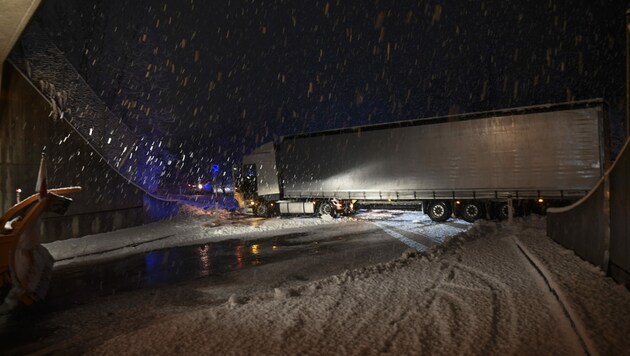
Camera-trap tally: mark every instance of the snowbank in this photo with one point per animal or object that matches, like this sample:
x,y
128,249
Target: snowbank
x,y
476,294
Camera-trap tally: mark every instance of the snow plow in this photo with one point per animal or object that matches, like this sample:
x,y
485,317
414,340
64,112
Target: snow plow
x,y
25,265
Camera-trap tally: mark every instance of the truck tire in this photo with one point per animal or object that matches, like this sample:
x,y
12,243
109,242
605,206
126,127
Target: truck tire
x,y
440,211
325,208
503,212
472,211
263,210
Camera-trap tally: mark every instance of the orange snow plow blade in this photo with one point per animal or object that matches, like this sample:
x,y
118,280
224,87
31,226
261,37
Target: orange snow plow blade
x,y
19,239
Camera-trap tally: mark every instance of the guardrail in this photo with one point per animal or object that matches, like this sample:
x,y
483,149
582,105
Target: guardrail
x,y
597,227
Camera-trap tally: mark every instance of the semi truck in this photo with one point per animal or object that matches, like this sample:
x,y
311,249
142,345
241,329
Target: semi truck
x,y
473,166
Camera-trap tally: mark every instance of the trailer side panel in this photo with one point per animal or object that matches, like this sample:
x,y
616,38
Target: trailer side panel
x,y
557,151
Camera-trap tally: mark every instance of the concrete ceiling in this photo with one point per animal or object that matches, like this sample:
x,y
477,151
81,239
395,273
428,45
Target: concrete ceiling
x,y
14,16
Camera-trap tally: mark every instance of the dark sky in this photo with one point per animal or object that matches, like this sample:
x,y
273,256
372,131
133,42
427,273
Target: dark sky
x,y
221,77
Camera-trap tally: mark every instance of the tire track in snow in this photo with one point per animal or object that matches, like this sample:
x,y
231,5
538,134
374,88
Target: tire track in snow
x,y
448,310
426,240
500,311
457,225
407,241
421,238
566,312
504,314
459,309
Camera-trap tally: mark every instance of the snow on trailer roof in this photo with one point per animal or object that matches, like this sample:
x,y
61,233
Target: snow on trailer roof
x,y
580,104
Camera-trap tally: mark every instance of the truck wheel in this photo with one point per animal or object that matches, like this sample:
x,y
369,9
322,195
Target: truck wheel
x,y
262,210
503,212
439,211
325,208
472,211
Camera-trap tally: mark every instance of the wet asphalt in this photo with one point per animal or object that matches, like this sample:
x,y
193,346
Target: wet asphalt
x,y
80,284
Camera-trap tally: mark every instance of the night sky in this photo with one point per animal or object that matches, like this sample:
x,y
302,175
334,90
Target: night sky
x,y
218,78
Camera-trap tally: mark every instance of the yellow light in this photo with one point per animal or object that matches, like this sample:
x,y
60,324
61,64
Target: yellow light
x,y
540,200
255,249
458,202
252,203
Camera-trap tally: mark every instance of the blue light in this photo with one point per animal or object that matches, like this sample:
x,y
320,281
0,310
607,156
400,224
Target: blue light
x,y
215,169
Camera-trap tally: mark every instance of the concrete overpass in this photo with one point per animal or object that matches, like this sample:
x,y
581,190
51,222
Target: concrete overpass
x,y
29,122
14,16
597,227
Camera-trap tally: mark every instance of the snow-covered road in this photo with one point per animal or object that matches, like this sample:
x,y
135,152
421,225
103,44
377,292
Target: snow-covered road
x,y
478,295
492,289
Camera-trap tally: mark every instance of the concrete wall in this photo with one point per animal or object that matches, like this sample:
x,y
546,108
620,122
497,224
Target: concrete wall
x,y
619,267
583,226
597,227
15,15
107,202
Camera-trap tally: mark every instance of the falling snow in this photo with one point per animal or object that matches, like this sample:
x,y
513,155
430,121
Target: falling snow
x,y
221,79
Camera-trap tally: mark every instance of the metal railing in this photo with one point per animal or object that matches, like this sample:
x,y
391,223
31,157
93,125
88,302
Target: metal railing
x,y
597,227
73,100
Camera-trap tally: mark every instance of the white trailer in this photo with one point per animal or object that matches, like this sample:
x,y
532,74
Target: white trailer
x,y
470,165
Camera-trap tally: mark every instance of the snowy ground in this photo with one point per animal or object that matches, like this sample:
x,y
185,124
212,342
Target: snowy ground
x,y
495,289
193,226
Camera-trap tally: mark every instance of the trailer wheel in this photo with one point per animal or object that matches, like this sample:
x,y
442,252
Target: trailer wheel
x,y
325,208
440,211
503,212
472,211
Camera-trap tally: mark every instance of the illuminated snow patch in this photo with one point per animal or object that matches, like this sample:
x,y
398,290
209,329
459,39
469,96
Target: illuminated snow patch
x,y
415,222
269,225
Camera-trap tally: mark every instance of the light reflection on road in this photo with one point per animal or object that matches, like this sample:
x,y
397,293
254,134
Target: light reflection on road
x,y
164,266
